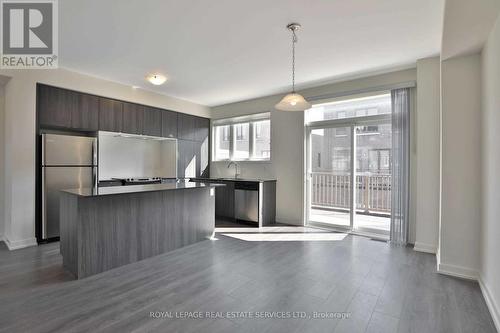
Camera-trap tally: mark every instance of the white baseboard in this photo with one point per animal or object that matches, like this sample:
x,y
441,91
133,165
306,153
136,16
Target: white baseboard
x,y
457,271
423,247
490,302
19,244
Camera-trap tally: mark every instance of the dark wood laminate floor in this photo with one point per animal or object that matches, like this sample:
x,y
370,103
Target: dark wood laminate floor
x,y
383,288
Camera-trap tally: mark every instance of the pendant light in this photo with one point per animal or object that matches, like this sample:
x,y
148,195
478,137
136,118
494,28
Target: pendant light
x,y
293,101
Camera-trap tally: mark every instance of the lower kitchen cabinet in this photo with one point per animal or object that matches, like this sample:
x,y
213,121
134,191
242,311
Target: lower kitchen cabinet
x,y
224,201
246,201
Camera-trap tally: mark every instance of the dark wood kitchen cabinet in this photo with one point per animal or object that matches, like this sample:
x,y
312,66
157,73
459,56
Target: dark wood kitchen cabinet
x,y
185,153
224,200
86,115
169,124
54,106
193,128
110,115
62,108
133,118
202,129
152,121
186,127
192,159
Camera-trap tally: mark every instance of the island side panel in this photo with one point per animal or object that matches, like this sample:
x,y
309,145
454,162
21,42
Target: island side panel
x,y
173,219
200,222
68,224
107,232
116,230
268,192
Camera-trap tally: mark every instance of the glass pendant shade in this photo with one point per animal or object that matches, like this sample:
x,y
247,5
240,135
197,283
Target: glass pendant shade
x,y
293,102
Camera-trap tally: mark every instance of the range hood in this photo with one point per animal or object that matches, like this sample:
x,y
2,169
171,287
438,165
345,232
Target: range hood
x,y
134,136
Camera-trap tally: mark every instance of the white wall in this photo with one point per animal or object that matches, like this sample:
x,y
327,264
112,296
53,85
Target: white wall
x,y
461,166
20,103
427,145
489,270
287,141
2,162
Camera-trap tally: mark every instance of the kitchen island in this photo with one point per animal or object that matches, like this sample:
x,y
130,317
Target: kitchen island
x,y
108,227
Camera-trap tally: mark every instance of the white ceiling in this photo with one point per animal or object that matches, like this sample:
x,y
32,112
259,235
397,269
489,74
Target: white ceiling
x,y
220,51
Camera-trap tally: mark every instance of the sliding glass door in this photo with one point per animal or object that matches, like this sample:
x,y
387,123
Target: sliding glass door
x,y
330,176
349,153
373,177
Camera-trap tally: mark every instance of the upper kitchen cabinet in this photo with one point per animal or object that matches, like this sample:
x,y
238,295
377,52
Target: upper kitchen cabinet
x,y
86,115
55,106
169,124
152,121
133,118
110,115
66,109
202,129
186,127
193,128
62,108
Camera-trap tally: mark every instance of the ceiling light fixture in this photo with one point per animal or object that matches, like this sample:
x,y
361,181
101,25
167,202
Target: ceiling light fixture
x,y
293,101
156,79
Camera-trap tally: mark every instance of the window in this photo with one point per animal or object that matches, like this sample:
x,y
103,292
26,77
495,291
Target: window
x,y
366,130
241,132
242,138
350,108
242,144
222,142
262,140
341,131
225,133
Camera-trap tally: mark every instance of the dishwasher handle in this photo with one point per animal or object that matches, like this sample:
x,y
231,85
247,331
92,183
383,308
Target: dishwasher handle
x,y
246,186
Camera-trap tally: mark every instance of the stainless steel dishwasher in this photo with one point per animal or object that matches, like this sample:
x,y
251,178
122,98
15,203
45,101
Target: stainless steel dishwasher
x,y
246,201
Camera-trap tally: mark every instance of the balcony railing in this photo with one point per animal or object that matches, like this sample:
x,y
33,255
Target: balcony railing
x,y
373,192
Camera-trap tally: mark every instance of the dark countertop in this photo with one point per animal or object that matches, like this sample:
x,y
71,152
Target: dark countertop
x,y
255,180
115,190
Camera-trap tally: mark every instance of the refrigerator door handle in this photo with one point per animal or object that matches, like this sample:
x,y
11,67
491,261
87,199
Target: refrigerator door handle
x,y
44,206
94,164
94,152
94,177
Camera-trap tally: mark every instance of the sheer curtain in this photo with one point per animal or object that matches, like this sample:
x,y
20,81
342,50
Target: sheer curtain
x,y
400,165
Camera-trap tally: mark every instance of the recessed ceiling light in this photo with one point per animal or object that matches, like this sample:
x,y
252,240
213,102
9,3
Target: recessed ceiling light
x,y
156,79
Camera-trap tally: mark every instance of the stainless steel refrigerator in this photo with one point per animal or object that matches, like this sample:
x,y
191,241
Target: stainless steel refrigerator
x,y
67,162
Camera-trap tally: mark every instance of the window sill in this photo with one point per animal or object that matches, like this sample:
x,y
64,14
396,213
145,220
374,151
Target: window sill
x,y
244,161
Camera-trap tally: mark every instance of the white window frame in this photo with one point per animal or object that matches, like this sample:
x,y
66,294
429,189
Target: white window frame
x,y
251,120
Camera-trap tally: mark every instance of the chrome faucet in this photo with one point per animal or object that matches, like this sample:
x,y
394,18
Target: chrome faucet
x,y
236,166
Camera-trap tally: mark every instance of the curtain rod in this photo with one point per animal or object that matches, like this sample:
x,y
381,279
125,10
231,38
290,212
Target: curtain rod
x,y
409,84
